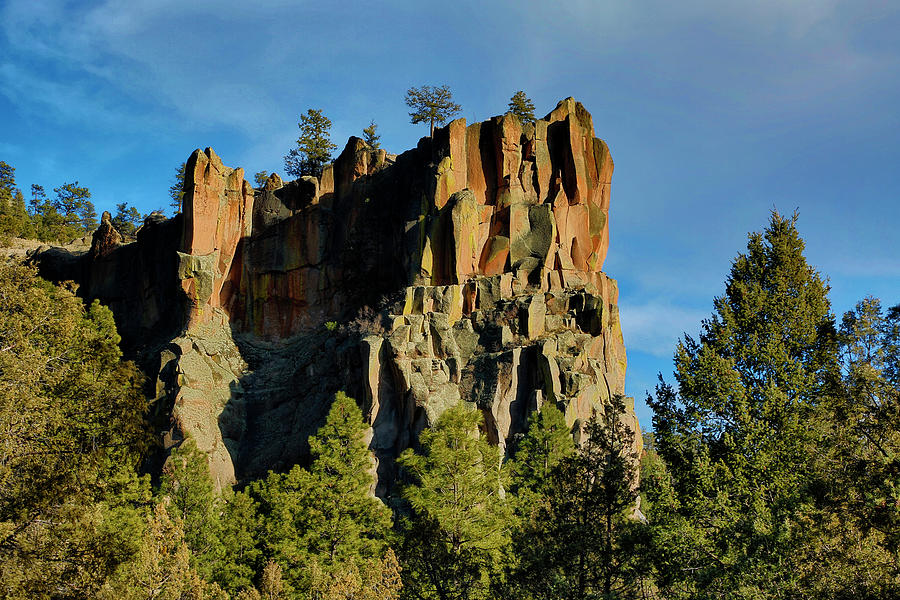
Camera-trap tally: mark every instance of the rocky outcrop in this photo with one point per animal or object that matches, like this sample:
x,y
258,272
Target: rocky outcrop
x,y
105,238
466,269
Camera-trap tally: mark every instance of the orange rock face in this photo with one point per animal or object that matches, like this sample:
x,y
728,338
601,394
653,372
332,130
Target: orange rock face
x,y
217,209
502,196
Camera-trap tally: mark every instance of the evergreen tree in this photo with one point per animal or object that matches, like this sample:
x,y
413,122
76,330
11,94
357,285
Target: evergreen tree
x,y
522,106
49,225
547,441
189,488
127,219
14,218
734,436
857,508
162,567
7,177
73,203
431,105
239,536
459,523
314,146
326,515
176,190
579,541
371,136
260,178
73,431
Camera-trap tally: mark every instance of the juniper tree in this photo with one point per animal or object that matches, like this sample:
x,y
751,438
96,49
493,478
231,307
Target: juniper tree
x,y
71,413
734,434
859,462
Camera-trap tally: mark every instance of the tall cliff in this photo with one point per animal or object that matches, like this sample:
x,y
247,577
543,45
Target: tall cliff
x,y
466,269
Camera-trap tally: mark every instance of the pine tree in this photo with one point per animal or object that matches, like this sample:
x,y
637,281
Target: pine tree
x,y
547,441
14,217
431,105
327,514
314,146
459,523
127,219
176,190
188,486
239,536
578,542
78,213
734,436
522,106
371,136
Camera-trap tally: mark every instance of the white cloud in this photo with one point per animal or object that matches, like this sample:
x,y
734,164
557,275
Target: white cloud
x,y
655,327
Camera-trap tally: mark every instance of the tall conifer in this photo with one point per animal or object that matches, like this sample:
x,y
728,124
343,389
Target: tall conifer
x,y
735,434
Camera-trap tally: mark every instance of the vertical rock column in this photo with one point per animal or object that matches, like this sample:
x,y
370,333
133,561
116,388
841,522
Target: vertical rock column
x,y
217,208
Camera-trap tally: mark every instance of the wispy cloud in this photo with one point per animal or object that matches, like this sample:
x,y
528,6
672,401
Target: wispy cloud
x,y
655,327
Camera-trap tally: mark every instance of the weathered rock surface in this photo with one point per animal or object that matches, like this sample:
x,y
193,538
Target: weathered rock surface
x,y
472,265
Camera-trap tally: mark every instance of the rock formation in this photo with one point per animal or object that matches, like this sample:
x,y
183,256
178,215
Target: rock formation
x,y
466,269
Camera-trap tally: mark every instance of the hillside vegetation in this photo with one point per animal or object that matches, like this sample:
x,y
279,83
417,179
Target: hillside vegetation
x,y
772,472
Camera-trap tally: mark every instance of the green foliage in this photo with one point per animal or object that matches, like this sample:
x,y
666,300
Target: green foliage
x,y
735,437
239,536
858,466
127,219
72,419
522,106
176,190
73,203
162,567
314,146
14,217
189,488
579,541
260,178
371,136
547,441
325,517
459,522
431,105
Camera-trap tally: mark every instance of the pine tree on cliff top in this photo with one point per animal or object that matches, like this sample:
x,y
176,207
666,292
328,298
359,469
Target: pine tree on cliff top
x,y
734,436
432,105
314,146
370,134
522,106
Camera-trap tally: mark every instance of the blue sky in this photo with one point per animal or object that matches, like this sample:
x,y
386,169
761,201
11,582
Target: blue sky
x,y
716,112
